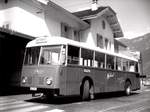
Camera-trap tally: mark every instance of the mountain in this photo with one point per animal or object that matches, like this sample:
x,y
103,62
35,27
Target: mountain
x,y
142,44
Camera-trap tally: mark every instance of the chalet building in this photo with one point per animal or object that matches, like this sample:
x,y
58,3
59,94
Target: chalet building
x,y
24,20
104,27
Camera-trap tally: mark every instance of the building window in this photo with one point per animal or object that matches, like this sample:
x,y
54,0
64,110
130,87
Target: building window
x,y
106,43
100,41
110,45
65,30
6,1
103,24
76,35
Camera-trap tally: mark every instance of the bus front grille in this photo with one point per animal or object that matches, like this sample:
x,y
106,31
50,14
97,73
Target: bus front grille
x,y
41,80
29,80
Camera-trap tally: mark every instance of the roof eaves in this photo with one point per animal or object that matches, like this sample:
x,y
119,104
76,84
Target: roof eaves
x,y
114,24
120,43
111,9
15,33
87,13
89,17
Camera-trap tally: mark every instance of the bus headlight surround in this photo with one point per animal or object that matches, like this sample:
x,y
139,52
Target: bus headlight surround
x,y
24,79
49,81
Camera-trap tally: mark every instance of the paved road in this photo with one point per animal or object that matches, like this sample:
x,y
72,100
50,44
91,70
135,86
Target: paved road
x,y
112,102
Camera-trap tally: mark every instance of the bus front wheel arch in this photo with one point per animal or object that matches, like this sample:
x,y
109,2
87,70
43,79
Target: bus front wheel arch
x,y
87,89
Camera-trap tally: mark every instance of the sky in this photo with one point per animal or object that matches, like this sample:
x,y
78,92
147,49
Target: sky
x,y
133,15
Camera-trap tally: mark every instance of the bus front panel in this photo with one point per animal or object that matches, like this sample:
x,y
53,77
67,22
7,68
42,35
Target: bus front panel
x,y
40,77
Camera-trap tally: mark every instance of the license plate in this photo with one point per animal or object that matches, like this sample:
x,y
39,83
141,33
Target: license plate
x,y
33,88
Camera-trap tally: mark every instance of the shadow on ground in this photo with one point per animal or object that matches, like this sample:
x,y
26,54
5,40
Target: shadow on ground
x,y
8,90
60,100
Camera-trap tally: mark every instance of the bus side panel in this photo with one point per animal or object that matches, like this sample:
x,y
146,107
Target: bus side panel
x,y
62,81
99,80
70,80
135,80
120,80
111,83
122,77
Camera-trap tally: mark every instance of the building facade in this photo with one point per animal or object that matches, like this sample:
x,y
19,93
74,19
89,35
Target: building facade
x,y
36,19
98,28
104,27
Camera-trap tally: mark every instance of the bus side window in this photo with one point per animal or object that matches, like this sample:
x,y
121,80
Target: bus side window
x,y
73,55
131,66
136,67
125,64
118,64
110,62
99,60
86,57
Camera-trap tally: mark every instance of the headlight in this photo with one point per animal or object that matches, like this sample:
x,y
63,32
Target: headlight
x,y
48,81
24,80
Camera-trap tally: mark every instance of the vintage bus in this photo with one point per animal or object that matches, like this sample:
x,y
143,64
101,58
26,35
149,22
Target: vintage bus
x,y
59,66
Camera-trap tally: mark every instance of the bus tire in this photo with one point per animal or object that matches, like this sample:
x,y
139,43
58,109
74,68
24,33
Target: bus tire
x,y
88,91
128,88
91,92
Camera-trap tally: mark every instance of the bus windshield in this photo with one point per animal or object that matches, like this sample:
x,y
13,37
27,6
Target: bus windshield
x,y
32,56
50,55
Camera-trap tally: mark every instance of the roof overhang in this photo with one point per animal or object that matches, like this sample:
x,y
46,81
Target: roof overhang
x,y
119,43
111,17
15,33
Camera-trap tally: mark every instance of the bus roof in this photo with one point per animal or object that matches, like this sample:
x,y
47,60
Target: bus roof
x,y
45,41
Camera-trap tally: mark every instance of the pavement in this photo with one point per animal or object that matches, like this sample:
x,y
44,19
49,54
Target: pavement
x,y
144,87
104,103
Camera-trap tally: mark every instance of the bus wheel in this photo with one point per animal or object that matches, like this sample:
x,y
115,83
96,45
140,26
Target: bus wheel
x,y
128,88
88,91
92,92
